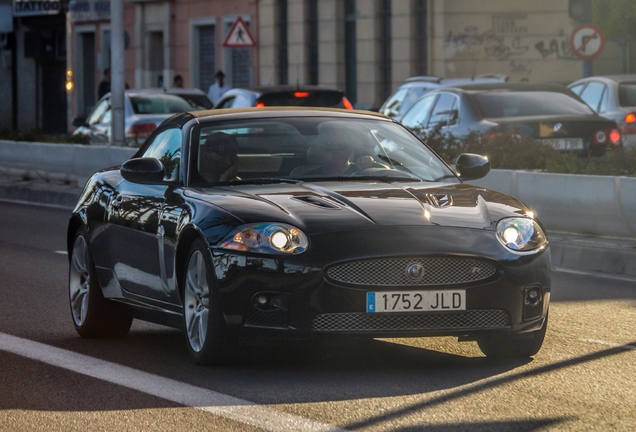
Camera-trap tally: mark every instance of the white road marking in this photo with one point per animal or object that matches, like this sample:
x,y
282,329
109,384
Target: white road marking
x,y
61,252
165,388
610,344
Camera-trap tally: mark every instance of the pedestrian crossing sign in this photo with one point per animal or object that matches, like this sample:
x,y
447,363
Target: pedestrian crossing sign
x,y
239,36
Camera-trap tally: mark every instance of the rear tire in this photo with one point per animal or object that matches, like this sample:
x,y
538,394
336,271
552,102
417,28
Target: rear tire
x,y
513,346
203,320
93,315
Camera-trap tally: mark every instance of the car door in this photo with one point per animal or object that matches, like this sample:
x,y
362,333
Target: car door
x,y
135,215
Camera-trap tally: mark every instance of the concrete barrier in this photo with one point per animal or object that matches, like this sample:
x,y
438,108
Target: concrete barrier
x,y
69,163
594,205
582,204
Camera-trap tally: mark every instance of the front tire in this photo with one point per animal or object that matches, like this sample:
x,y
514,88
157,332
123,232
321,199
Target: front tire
x,y
514,346
203,321
93,315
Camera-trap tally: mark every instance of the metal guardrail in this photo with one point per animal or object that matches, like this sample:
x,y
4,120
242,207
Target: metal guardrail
x,y
582,204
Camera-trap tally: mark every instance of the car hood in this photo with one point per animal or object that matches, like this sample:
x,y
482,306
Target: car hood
x,y
335,206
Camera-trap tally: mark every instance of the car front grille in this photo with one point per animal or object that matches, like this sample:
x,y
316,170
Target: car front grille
x,y
277,318
378,322
411,271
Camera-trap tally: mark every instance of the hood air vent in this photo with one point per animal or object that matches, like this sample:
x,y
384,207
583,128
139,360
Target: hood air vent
x,y
318,201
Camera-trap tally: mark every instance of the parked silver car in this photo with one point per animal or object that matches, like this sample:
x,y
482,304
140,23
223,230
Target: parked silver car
x,y
144,110
415,87
613,97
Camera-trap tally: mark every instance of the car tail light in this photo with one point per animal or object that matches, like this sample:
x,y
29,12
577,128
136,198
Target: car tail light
x,y
348,105
301,94
607,137
629,124
260,104
141,130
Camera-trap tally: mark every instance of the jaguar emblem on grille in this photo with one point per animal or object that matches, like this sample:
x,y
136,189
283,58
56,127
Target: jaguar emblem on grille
x,y
415,271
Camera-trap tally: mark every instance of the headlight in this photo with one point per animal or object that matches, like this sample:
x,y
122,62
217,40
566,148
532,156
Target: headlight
x,y
520,234
269,238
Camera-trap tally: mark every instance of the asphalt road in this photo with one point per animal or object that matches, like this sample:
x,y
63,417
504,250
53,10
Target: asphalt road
x,y
584,378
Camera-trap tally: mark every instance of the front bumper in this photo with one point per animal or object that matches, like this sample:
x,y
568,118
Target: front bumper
x,y
303,296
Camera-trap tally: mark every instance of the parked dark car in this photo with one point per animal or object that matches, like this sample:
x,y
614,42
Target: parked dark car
x,y
144,110
301,223
613,97
415,87
284,95
549,113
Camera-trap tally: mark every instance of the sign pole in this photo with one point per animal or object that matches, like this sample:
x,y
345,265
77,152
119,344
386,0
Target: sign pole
x,y
117,84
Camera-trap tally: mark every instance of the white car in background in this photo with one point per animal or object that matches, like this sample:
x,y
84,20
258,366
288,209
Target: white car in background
x,y
613,97
144,110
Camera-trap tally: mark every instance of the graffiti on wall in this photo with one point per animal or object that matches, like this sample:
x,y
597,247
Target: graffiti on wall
x,y
507,38
556,48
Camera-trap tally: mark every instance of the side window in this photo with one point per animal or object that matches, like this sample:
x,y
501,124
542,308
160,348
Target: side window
x,y
592,94
416,117
166,147
393,104
226,103
577,88
413,94
443,112
98,112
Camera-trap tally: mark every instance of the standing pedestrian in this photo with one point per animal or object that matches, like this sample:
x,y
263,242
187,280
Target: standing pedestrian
x,y
104,85
217,89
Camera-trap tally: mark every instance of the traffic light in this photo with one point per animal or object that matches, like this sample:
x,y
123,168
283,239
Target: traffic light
x,y
579,10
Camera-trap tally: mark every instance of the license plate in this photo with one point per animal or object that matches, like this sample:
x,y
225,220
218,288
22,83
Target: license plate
x,y
564,143
415,301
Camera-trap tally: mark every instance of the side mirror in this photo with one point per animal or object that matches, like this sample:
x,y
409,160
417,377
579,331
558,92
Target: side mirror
x,y
143,171
471,166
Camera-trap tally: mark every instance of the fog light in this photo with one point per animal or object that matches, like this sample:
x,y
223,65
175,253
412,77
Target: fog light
x,y
533,296
261,300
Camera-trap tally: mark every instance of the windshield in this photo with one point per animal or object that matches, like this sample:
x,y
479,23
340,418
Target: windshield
x,y
499,104
311,149
163,103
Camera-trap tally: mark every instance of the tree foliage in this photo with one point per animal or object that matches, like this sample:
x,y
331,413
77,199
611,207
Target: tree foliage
x,y
617,18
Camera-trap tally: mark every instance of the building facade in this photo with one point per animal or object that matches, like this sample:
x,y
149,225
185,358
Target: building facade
x,y
162,39
365,47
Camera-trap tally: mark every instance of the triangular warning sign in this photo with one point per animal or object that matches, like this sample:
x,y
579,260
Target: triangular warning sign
x,y
239,36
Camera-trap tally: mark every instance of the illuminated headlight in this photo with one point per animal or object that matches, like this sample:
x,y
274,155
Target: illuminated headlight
x,y
520,234
269,238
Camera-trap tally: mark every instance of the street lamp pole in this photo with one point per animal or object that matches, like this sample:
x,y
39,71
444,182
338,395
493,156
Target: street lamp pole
x,y
117,85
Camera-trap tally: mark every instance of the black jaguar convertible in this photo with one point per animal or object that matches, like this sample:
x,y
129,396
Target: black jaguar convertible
x,y
304,223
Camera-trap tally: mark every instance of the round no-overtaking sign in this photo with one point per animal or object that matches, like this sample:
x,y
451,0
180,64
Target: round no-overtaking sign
x,y
587,41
